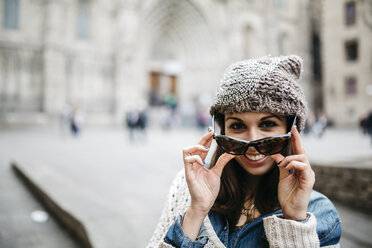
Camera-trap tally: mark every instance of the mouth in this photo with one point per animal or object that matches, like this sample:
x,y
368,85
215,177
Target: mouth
x,y
257,159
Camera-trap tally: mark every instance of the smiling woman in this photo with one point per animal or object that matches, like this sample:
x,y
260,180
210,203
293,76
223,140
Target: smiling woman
x,y
255,127
238,146
257,191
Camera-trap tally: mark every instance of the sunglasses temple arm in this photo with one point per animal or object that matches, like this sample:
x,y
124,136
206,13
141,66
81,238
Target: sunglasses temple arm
x,y
293,124
213,123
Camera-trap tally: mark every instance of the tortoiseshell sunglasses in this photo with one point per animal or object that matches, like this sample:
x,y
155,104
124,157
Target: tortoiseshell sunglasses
x,y
266,146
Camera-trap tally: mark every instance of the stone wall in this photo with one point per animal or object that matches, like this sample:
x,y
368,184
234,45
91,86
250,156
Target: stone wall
x,y
350,186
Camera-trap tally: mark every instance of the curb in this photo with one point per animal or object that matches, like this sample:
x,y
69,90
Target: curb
x,y
68,221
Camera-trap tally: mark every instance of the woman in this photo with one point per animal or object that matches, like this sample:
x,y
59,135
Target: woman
x,y
257,192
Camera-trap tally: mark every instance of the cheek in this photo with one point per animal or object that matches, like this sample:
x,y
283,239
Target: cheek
x,y
270,161
237,135
278,130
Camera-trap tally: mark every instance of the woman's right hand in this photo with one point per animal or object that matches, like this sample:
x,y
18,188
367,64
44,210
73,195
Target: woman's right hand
x,y
203,183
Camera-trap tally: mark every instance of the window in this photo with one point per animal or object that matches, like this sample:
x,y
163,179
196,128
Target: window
x,y
280,4
350,86
350,13
83,19
316,57
11,14
351,50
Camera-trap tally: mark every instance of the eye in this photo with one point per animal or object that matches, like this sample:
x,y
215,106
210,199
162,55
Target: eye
x,y
268,124
236,126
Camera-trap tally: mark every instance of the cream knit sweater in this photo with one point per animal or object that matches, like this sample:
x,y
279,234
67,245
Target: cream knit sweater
x,y
279,232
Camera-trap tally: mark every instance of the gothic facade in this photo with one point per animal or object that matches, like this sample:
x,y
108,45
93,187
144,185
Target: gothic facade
x,y
105,55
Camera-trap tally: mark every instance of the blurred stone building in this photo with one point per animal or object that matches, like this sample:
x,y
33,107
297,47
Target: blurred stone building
x,y
346,35
103,56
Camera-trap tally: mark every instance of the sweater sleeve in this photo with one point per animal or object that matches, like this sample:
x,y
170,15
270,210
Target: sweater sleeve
x,y
176,237
288,233
176,204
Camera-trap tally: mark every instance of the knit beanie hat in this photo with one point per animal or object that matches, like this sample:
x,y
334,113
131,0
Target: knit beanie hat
x,y
267,84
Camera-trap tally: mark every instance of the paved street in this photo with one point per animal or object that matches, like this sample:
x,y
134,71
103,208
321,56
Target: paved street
x,y
17,229
117,188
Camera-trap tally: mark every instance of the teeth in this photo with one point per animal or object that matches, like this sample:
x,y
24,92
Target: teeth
x,y
256,157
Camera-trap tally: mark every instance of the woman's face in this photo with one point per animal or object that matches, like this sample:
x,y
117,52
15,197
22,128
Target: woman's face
x,y
252,126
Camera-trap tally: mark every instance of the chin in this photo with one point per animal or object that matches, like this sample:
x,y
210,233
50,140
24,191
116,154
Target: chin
x,y
256,172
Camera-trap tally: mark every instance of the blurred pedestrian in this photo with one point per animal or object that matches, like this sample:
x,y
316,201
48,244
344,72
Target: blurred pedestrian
x,y
202,118
171,101
75,121
203,102
258,189
366,124
320,124
65,116
132,118
136,119
171,105
309,124
142,123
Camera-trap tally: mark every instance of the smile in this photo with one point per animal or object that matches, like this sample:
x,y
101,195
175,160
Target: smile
x,y
255,160
255,157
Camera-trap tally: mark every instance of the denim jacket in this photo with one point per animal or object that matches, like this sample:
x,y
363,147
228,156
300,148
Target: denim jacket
x,y
253,235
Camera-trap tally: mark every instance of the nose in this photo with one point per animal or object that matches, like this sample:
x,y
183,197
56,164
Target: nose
x,y
251,150
251,135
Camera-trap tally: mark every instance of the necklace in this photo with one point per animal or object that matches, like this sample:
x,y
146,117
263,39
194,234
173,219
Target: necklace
x,y
248,211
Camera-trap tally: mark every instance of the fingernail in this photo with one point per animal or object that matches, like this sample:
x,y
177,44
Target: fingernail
x,y
209,129
206,147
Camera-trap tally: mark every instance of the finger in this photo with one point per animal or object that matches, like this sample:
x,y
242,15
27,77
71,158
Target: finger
x,y
206,140
192,160
277,157
191,150
288,159
283,163
303,169
291,165
287,170
221,163
296,142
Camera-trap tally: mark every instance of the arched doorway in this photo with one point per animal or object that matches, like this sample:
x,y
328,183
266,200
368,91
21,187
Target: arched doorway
x,y
179,53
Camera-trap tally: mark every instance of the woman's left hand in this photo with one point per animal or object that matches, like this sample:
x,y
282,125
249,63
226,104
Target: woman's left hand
x,y
295,188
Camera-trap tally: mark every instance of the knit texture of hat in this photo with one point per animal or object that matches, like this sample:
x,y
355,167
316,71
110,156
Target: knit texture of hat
x,y
267,84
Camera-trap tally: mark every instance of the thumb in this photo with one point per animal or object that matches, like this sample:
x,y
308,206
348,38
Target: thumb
x,y
221,163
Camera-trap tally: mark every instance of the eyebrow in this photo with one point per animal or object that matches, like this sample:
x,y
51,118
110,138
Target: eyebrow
x,y
262,119
271,116
234,118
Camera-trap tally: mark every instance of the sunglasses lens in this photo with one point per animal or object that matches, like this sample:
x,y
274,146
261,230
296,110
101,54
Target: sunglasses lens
x,y
231,146
274,145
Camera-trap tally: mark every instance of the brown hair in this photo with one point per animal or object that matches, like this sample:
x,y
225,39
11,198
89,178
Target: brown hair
x,y
234,186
